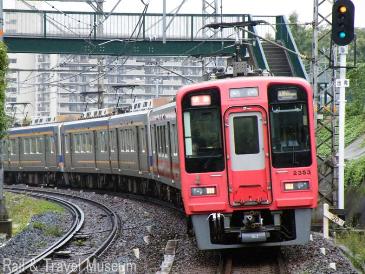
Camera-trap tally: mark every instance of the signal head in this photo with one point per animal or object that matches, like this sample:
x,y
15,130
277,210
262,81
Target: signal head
x,y
343,13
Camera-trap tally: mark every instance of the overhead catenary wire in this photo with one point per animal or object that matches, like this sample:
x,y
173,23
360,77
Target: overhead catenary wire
x,y
125,45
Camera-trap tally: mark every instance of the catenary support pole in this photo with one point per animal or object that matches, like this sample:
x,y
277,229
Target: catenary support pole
x,y
164,22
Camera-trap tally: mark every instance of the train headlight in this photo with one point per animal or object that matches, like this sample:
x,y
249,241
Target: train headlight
x,y
200,191
296,186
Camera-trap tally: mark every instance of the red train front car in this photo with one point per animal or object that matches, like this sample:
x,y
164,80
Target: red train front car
x,y
248,161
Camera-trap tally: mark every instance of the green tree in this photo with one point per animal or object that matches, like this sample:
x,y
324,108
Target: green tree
x,y
302,35
356,92
3,70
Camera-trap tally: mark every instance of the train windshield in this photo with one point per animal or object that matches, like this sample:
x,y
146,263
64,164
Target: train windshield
x,y
290,138
203,138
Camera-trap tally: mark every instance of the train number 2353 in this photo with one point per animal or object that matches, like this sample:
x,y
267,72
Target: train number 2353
x,y
302,172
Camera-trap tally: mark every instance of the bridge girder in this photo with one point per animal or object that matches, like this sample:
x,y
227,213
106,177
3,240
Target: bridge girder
x,y
132,48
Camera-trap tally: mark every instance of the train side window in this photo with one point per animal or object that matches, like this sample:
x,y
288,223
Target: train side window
x,y
122,140
82,143
77,143
133,140
127,140
112,140
143,140
10,147
174,139
101,139
91,141
130,140
33,146
158,139
105,137
13,147
25,146
39,142
154,140
164,143
51,144
66,144
87,142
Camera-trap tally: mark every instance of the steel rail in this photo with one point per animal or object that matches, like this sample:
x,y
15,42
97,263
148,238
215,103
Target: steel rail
x,y
78,217
116,227
227,264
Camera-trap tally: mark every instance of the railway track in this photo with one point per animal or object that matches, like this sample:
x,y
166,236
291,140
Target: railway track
x,y
79,218
263,261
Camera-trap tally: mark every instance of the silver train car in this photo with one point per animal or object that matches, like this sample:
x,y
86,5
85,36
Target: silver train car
x,y
134,152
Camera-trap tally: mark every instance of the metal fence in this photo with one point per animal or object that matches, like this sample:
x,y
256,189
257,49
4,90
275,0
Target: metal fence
x,y
86,25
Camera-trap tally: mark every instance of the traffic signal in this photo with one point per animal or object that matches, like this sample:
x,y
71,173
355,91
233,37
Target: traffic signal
x,y
343,13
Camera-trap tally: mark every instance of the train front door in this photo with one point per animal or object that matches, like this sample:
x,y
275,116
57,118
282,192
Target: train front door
x,y
247,156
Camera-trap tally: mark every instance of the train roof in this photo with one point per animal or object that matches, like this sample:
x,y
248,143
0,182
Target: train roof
x,y
135,115
86,123
248,80
163,108
35,128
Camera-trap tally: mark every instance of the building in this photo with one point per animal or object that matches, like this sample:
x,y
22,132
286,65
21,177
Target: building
x,y
119,81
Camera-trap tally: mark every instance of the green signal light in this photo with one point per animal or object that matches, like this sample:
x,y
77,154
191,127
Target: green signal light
x,y
342,35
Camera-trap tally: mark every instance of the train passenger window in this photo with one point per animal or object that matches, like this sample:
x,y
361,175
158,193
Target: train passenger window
x,y
77,143
12,147
203,140
246,136
154,140
122,140
289,127
66,144
51,144
132,140
26,148
112,140
40,143
143,140
82,143
158,139
164,141
202,126
33,147
127,140
90,142
103,141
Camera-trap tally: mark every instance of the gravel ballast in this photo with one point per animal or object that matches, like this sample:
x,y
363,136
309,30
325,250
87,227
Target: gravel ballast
x,y
43,230
147,227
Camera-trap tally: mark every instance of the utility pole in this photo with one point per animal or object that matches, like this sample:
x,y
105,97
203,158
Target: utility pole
x,y
5,223
100,83
164,22
323,78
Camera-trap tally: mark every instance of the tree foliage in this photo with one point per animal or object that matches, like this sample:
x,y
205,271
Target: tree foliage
x,y
303,37
3,70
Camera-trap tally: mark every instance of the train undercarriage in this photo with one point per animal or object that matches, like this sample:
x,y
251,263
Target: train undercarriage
x,y
109,182
248,228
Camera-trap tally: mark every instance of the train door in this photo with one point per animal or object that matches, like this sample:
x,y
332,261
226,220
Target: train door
x,y
247,156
